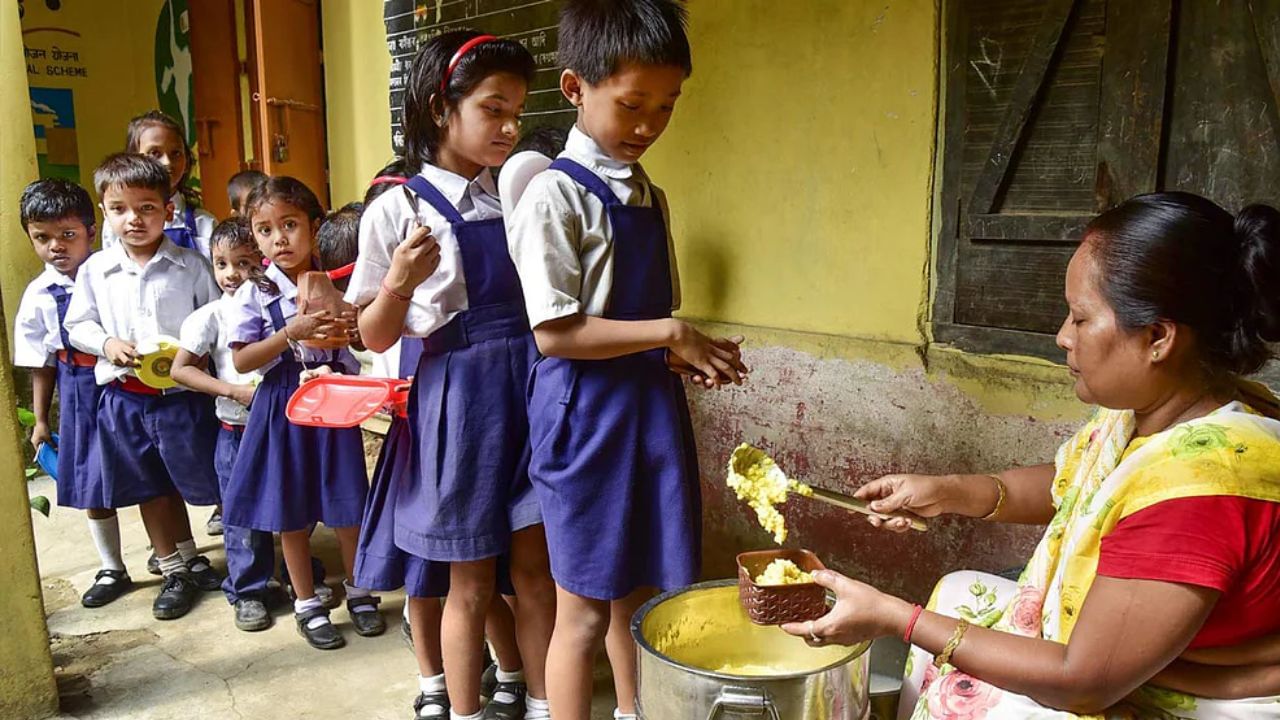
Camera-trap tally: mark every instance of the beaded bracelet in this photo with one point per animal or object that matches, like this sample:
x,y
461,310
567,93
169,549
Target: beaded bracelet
x,y
945,656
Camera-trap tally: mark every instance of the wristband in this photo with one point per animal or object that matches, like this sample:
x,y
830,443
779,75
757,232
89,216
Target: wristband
x,y
394,295
911,624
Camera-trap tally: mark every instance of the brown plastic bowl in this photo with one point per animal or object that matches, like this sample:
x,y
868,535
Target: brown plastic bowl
x,y
777,604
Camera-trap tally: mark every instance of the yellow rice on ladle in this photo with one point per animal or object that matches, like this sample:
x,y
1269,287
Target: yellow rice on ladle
x,y
756,478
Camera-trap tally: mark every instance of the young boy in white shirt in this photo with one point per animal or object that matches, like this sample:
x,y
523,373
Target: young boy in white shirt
x,y
156,446
58,217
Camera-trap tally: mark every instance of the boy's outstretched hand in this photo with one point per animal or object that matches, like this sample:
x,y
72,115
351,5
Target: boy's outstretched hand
x,y
729,349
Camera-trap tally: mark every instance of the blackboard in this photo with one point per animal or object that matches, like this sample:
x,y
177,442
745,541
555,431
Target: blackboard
x,y
532,23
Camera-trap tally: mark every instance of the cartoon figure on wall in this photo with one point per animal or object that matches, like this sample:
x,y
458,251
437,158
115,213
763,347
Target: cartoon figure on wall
x,y
174,85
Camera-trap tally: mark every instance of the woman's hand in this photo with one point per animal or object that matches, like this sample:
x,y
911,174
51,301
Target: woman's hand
x,y
413,261
861,613
717,360
924,495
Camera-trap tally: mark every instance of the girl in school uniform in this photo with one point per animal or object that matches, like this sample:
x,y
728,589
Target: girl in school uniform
x,y
159,136
433,265
287,477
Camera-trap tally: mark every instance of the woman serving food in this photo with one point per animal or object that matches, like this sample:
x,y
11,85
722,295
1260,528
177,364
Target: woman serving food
x,y
1155,591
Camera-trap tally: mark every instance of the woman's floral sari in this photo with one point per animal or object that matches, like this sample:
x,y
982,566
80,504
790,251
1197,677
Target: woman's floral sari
x,y
1103,476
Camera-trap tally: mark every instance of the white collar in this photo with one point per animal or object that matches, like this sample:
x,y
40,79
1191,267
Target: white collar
x,y
167,251
454,186
179,204
288,290
53,276
581,148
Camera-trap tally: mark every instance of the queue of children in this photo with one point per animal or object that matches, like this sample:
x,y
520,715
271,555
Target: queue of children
x,y
542,481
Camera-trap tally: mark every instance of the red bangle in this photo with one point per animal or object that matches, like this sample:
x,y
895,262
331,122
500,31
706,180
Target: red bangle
x,y
911,624
395,295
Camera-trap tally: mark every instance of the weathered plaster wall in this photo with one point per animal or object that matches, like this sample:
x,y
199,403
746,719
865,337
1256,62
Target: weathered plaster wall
x,y
27,689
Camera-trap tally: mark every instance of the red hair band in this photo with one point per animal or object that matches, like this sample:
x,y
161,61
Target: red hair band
x,y
341,272
457,57
384,179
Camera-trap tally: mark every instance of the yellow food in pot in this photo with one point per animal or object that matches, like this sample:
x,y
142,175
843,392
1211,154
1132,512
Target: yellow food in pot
x,y
756,478
783,572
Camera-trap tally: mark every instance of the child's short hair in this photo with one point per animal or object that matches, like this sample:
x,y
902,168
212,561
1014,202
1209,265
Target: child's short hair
x,y
241,183
547,140
598,36
155,118
284,189
393,175
427,73
55,199
233,234
338,240
131,170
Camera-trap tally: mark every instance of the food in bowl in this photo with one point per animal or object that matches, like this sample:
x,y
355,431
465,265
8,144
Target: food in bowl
x,y
757,479
783,572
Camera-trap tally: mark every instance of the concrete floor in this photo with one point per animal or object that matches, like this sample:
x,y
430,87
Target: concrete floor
x,y
119,662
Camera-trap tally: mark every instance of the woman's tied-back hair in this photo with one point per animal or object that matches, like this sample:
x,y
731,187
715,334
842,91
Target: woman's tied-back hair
x,y
234,233
422,137
598,36
54,199
131,170
1179,257
155,118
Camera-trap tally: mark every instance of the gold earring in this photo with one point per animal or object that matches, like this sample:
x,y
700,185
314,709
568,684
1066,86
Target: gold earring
x,y
1155,354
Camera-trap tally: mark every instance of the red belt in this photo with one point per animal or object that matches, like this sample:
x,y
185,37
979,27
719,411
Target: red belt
x,y
76,358
132,384
230,427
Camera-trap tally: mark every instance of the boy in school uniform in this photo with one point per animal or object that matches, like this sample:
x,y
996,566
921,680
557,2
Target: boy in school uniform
x,y
58,217
613,457
156,446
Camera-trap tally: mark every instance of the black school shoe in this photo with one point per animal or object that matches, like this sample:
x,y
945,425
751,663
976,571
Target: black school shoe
x,y
100,594
321,637
431,706
202,572
176,597
365,616
508,702
489,678
252,614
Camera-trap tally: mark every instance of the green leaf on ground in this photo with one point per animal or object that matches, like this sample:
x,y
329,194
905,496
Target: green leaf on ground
x,y
40,504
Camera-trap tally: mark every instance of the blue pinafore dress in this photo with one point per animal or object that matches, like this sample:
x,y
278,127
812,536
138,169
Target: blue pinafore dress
x,y
79,473
288,476
614,461
469,486
185,236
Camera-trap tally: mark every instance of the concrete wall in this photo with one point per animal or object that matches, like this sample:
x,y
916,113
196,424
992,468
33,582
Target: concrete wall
x,y
800,167
27,689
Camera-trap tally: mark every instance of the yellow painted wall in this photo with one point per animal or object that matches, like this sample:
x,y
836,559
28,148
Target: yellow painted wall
x,y
357,68
27,689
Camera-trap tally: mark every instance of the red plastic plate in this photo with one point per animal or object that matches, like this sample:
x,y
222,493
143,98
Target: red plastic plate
x,y
343,401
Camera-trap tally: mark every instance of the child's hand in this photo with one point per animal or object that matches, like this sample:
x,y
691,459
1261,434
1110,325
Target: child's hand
x,y
312,373
311,326
120,353
242,394
680,366
40,435
719,361
413,261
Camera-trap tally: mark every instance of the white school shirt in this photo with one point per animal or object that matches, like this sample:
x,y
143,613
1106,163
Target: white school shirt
x,y
205,333
388,221
205,222
114,297
386,364
248,320
36,338
561,239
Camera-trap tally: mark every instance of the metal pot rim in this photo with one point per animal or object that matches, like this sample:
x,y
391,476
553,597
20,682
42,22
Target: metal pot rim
x,y
854,650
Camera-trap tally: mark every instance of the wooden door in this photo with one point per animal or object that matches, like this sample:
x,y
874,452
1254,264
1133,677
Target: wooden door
x,y
287,81
218,122
1059,109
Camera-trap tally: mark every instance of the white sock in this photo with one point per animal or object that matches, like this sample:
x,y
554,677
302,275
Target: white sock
x,y
536,708
479,715
515,676
171,564
356,594
433,684
311,603
404,612
188,549
106,538
619,715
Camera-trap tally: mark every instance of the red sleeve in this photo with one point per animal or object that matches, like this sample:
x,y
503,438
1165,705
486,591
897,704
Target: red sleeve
x,y
1198,541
